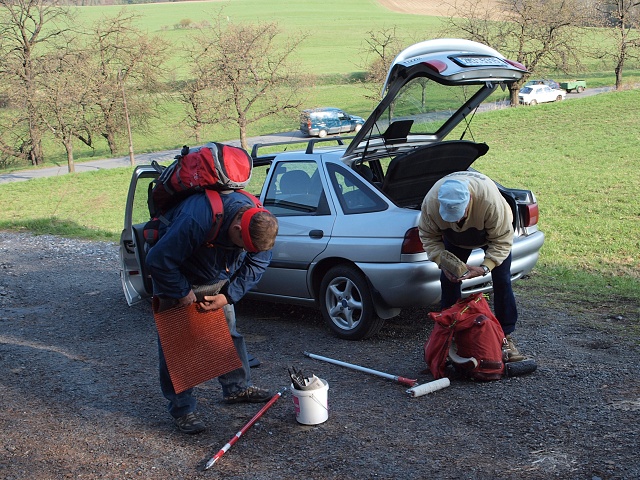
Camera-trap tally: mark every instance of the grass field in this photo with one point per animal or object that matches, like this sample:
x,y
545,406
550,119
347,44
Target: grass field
x,y
333,52
583,172
579,156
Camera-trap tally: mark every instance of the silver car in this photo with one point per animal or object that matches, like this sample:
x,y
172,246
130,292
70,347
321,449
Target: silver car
x,y
348,208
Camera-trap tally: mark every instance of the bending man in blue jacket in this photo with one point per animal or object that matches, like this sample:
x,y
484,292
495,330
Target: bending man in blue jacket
x,y
182,258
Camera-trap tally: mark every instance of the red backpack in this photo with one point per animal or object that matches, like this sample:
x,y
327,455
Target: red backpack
x,y
211,168
468,336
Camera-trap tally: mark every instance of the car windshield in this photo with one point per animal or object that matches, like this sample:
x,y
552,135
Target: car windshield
x,y
526,90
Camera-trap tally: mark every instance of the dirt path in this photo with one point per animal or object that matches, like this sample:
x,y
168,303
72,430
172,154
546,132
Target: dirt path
x,y
80,396
436,8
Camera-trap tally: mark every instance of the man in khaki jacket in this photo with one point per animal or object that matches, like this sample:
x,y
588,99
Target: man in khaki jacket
x,y
463,211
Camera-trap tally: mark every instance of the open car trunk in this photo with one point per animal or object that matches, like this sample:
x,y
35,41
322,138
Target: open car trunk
x,y
410,176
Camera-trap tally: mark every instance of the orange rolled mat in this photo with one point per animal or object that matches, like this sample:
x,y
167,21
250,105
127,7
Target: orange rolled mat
x,y
197,344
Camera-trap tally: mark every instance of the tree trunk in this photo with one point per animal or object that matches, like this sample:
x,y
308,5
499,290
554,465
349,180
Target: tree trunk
x,y
513,96
36,156
618,71
68,146
111,141
243,136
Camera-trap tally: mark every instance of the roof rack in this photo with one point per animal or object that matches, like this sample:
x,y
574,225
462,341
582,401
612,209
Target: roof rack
x,y
310,144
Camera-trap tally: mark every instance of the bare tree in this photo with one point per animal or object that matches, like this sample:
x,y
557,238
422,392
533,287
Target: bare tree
x,y
621,22
66,96
247,72
125,58
380,48
540,34
198,96
27,29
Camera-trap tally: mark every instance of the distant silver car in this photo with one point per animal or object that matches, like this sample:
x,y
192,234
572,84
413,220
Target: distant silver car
x,y
348,239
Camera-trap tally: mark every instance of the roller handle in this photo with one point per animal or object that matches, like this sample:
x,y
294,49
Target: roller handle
x,y
410,382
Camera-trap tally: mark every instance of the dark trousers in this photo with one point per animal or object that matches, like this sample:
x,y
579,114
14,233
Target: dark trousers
x,y
504,301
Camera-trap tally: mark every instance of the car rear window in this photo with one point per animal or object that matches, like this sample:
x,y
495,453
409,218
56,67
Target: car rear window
x,y
354,195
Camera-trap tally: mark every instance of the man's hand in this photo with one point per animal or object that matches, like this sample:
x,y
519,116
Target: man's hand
x,y
475,272
472,273
213,302
188,300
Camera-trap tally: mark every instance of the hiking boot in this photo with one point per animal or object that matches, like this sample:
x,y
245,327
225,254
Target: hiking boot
x,y
510,351
190,424
250,395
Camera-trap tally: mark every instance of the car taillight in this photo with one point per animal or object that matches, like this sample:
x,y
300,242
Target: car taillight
x,y
531,214
516,64
437,65
412,242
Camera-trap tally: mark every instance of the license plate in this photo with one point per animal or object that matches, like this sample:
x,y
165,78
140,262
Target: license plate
x,y
478,61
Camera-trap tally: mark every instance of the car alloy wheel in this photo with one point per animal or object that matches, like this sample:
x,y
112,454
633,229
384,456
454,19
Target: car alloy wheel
x,y
346,304
322,133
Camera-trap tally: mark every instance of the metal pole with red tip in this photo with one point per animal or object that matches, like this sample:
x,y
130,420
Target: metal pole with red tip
x,y
237,436
405,381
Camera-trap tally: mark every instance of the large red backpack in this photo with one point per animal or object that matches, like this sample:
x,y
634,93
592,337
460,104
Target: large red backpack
x,y
211,168
469,337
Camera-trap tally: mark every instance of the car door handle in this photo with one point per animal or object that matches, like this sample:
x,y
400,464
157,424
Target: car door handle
x,y
316,234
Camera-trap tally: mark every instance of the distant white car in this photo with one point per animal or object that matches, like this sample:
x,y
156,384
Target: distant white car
x,y
534,94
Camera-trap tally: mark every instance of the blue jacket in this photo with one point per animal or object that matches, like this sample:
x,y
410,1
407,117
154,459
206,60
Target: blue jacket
x,y
182,258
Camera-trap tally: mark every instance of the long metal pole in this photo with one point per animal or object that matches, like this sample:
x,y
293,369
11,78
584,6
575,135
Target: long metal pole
x,y
403,380
126,116
237,436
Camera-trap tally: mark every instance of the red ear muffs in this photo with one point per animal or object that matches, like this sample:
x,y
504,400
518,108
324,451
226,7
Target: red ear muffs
x,y
244,225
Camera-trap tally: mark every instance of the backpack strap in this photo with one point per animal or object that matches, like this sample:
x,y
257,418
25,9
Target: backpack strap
x,y
217,213
251,197
217,210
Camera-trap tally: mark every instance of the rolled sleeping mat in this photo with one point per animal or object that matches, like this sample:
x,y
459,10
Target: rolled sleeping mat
x,y
516,369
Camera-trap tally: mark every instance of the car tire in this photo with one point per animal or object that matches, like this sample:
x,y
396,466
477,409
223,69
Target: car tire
x,y
322,133
358,128
346,304
533,102
559,98
580,89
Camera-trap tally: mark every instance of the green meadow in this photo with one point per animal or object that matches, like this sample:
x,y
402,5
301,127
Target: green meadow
x,y
583,172
578,156
333,52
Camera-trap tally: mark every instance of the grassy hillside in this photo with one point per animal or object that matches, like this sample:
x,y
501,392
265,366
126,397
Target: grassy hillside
x,y
336,28
583,172
333,52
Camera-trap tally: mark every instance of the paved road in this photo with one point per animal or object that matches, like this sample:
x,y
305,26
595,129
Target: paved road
x,y
140,159
147,158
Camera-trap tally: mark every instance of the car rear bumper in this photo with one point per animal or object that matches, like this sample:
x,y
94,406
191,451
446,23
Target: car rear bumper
x,y
417,284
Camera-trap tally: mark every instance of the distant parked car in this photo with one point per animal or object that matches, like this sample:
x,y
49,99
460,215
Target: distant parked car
x,y
544,81
320,122
348,214
534,94
577,86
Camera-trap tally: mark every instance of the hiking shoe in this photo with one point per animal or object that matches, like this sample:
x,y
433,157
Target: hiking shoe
x,y
190,424
510,351
250,395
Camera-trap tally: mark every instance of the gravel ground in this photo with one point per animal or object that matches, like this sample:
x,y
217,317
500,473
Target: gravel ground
x,y
81,399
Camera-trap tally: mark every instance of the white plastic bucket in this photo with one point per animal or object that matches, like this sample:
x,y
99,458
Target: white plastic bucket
x,y
312,406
